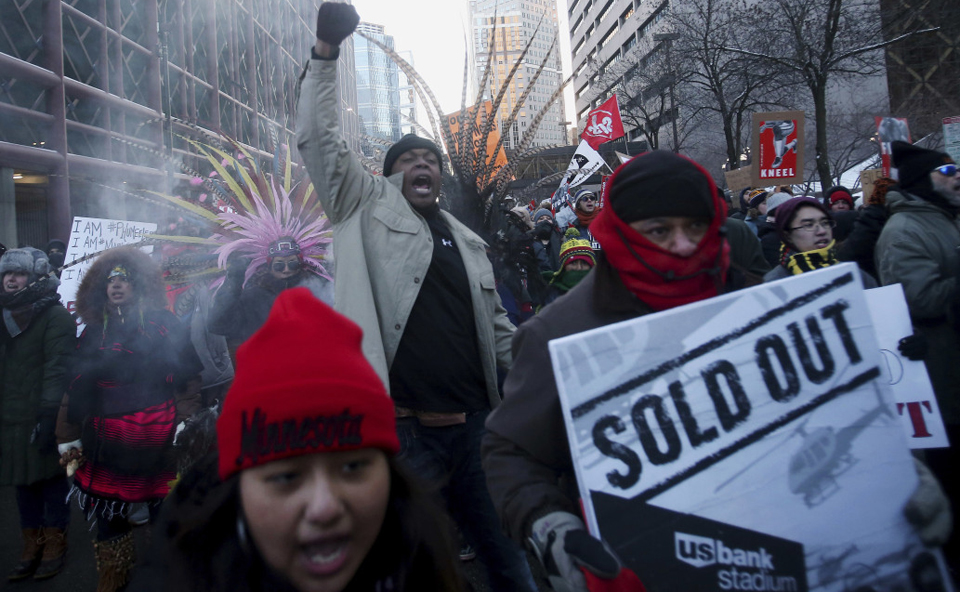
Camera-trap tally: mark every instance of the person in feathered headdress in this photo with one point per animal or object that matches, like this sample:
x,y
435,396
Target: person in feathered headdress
x,y
268,231
244,300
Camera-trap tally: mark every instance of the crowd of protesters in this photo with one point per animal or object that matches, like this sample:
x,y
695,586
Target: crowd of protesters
x,y
353,417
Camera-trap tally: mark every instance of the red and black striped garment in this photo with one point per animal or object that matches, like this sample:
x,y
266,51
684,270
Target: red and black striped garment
x,y
124,397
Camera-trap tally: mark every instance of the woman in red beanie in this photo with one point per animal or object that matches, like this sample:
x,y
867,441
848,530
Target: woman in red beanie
x,y
304,493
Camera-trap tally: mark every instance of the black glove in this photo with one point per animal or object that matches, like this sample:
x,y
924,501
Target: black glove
x,y
543,230
237,265
336,22
45,434
914,347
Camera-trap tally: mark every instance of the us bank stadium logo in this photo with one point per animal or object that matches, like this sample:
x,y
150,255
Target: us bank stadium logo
x,y
738,569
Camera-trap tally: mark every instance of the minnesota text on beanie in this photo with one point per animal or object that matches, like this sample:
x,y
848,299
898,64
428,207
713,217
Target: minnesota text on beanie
x,y
660,184
302,386
575,248
28,260
914,164
408,142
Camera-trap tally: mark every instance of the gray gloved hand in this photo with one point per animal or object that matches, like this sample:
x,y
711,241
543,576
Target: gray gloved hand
x,y
563,545
336,22
928,509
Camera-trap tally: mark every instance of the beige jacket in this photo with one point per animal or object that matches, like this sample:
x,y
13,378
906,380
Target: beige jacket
x,y
382,246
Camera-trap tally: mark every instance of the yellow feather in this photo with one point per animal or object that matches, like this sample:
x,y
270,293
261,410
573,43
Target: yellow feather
x,y
188,206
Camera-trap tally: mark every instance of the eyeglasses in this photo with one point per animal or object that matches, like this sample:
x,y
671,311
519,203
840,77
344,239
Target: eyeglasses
x,y
810,225
588,198
948,170
280,266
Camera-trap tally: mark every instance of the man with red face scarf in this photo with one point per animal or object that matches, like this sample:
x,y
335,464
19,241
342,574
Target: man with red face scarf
x,y
664,244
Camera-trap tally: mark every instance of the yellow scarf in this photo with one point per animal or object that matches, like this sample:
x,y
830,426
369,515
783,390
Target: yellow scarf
x,y
798,263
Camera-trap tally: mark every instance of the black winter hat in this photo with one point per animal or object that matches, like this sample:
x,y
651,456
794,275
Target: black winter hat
x,y
408,142
914,164
660,183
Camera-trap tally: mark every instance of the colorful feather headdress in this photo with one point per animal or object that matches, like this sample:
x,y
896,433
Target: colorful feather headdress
x,y
244,209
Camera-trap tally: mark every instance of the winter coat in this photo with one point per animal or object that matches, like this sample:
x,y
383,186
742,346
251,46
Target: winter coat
x,y
238,311
862,241
525,457
524,450
586,235
382,246
33,375
745,249
548,256
918,249
134,382
769,241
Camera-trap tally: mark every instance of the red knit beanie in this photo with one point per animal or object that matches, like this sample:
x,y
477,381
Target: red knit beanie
x,y
303,386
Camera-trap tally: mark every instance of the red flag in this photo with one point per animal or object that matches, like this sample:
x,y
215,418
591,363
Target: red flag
x,y
603,124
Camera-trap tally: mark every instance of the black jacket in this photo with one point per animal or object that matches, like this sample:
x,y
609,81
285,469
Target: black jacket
x,y
862,241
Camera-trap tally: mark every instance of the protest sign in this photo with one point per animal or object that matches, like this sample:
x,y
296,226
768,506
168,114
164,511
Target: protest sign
x,y
951,137
603,124
739,179
915,402
744,442
89,236
868,178
889,130
777,148
476,137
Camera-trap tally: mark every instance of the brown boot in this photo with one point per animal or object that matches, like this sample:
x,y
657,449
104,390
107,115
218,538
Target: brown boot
x,y
115,558
54,553
30,559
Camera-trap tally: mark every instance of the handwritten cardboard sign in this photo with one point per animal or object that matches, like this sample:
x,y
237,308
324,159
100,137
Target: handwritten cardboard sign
x,y
93,235
745,442
868,178
739,179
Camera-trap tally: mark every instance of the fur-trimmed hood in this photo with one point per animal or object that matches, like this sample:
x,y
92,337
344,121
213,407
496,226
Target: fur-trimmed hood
x,y
145,276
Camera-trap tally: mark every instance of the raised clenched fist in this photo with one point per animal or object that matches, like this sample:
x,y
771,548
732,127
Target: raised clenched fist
x,y
336,21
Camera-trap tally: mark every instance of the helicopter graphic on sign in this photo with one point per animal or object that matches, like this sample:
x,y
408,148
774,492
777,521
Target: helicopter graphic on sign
x,y
824,455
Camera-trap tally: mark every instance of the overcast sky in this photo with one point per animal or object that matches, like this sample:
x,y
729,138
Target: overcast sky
x,y
435,31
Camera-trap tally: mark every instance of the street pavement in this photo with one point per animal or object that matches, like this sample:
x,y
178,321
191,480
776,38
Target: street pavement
x,y
80,573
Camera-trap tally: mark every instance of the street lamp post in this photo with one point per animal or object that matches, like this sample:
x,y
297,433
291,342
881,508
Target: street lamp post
x,y
669,39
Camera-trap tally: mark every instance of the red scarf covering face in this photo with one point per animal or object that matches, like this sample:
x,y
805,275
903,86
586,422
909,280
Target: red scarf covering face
x,y
673,281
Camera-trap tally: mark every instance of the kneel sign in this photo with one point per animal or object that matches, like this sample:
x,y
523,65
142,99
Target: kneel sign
x,y
746,442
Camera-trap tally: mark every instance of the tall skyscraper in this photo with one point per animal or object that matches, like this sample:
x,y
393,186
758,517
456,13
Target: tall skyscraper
x,y
378,85
409,101
516,25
